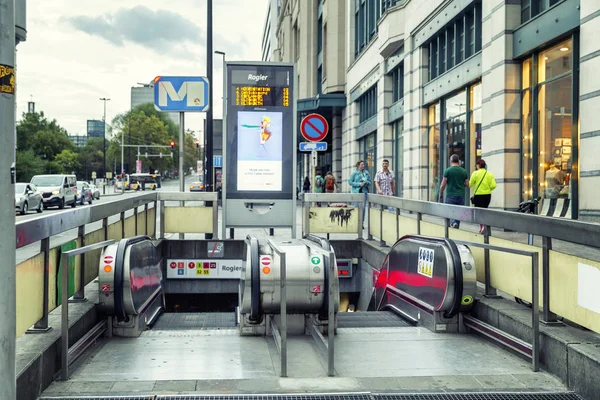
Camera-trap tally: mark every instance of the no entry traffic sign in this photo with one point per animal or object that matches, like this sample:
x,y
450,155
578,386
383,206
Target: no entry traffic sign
x,y
314,127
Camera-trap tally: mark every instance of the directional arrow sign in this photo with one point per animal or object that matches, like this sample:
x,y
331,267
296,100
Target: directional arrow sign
x,y
313,146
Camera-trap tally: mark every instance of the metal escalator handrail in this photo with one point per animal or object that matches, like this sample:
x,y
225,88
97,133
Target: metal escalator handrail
x,y
255,314
120,312
458,279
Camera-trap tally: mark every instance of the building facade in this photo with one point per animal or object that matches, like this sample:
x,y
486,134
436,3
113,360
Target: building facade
x,y
78,140
145,94
509,81
268,46
95,128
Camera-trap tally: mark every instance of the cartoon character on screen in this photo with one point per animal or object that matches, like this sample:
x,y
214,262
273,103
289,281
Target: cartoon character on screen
x,y
265,133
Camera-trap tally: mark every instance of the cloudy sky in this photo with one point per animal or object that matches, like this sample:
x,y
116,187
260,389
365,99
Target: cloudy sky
x,y
80,50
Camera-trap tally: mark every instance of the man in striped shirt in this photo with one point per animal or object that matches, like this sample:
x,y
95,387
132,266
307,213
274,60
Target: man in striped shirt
x,y
384,180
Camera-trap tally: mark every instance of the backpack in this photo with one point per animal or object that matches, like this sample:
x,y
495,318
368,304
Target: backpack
x,y
319,180
329,185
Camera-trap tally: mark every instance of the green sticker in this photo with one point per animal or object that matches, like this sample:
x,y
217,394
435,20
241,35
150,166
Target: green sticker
x,y
315,260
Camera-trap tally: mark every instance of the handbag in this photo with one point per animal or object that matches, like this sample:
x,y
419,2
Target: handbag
x,y
475,192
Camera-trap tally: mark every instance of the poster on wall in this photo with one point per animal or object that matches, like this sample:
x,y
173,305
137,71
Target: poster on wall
x,y
259,150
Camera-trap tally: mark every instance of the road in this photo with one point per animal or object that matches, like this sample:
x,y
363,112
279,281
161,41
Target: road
x,y
31,250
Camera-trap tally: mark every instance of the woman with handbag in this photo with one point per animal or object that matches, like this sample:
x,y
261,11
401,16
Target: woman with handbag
x,y
484,183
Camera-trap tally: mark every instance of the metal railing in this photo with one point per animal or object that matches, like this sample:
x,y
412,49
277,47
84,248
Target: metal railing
x,y
43,228
280,333
184,197
549,229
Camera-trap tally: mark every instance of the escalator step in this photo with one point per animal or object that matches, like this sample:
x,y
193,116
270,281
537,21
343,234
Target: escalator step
x,y
370,319
481,396
194,321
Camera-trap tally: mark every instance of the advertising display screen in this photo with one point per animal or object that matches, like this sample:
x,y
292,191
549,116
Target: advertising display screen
x,y
260,136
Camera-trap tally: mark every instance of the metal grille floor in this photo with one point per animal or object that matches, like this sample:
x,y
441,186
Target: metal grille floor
x,y
371,319
349,396
193,321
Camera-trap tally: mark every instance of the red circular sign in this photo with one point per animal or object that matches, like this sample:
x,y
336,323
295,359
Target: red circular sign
x,y
191,265
314,127
265,261
108,259
173,265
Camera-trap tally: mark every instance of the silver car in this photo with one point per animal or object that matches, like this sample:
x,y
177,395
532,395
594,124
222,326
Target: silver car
x,y
95,191
27,197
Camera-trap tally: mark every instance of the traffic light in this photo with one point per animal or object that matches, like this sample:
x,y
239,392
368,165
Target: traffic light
x,y
197,144
172,144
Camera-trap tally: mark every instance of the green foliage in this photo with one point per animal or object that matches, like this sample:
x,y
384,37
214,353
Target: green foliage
x,y
68,161
28,165
91,159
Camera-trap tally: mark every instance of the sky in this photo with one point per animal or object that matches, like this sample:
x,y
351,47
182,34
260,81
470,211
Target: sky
x,y
78,51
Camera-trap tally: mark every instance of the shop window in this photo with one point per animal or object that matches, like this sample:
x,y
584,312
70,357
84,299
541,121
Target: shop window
x,y
548,141
475,101
456,125
455,42
433,151
368,150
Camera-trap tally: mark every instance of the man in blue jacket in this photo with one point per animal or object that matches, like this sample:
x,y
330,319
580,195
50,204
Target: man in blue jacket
x,y
360,181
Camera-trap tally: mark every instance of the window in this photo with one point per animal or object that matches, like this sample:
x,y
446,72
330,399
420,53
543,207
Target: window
x,y
549,139
367,104
385,4
433,151
320,34
297,42
399,156
475,101
532,8
368,149
398,83
455,42
366,15
319,80
324,66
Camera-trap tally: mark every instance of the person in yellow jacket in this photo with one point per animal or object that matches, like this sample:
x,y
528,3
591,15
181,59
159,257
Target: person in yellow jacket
x,y
484,183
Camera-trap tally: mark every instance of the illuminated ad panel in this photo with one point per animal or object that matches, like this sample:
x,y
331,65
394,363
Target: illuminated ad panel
x,y
260,137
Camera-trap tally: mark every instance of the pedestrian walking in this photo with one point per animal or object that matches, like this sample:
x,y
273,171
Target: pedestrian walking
x,y
484,183
456,180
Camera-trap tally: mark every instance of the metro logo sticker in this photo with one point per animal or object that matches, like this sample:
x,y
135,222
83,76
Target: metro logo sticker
x,y
425,265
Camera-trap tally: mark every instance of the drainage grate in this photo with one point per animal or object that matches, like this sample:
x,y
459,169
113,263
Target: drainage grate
x,y
370,319
192,321
481,396
147,397
354,396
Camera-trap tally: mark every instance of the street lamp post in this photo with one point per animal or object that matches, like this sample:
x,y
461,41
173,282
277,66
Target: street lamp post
x,y
104,99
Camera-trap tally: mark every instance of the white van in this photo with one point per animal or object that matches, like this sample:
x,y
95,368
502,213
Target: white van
x,y
57,190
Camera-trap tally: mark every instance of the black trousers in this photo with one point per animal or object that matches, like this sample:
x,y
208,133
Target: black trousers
x,y
482,200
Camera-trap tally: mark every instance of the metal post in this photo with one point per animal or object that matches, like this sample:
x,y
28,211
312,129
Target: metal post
x,y
549,318
135,217
64,326
79,296
283,313
104,99
181,151
419,218
360,220
162,220
208,148
367,207
331,322
123,225
42,325
105,227
146,217
215,223
446,228
381,241
535,301
490,292
8,310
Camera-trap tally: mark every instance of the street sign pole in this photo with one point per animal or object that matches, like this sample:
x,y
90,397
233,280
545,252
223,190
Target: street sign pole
x,y
208,167
181,151
8,308
313,163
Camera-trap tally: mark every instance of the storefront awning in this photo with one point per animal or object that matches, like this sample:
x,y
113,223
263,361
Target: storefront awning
x,y
322,101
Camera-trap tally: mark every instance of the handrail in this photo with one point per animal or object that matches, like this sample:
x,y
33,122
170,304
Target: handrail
x,y
572,231
45,226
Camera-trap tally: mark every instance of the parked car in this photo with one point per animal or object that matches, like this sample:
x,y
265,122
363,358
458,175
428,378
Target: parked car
x,y
27,197
197,187
95,191
57,190
84,194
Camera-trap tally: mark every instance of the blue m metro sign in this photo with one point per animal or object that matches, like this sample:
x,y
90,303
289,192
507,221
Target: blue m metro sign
x,y
181,93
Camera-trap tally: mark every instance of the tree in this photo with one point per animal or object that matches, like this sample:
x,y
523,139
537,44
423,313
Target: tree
x,y
49,143
140,128
68,160
91,158
31,125
28,165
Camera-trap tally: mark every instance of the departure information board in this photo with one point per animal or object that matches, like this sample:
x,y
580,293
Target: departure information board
x,y
260,131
